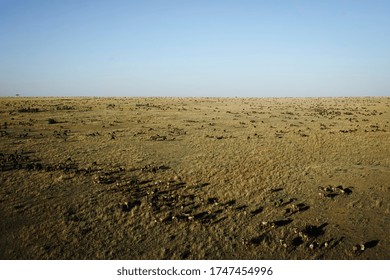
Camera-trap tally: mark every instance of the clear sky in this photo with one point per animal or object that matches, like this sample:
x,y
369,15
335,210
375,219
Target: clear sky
x,y
195,48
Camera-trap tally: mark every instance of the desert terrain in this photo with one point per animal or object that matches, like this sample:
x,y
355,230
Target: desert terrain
x,y
195,178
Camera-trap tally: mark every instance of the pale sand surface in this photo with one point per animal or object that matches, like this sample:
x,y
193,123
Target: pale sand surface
x,y
195,178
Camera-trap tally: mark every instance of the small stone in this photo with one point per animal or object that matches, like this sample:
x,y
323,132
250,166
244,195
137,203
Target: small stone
x,y
176,178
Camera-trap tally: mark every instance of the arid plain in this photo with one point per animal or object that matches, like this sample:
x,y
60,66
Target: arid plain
x,y
195,178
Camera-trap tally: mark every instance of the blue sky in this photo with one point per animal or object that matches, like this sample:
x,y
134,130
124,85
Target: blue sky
x,y
195,48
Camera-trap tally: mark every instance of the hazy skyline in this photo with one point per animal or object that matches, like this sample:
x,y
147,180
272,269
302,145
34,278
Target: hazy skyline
x,y
195,48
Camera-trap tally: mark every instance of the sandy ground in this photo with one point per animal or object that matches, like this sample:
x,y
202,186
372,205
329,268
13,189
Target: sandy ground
x,y
194,178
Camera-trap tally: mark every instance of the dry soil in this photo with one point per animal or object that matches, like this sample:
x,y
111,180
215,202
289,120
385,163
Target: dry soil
x,y
195,178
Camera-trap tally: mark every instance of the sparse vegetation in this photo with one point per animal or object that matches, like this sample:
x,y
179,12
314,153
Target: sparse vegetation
x,y
180,178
